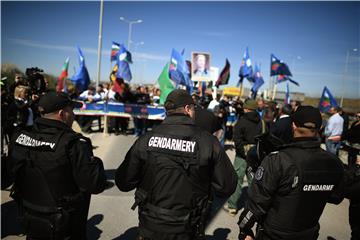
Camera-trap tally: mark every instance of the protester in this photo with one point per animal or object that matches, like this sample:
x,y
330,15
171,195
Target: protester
x,y
333,131
141,98
20,115
173,183
353,141
352,192
295,104
282,128
245,130
88,96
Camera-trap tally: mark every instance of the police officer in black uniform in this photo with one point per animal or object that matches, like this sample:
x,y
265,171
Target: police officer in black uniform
x,y
174,168
54,173
293,185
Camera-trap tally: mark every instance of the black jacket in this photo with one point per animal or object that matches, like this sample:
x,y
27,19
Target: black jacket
x,y
282,129
291,188
245,130
68,169
177,172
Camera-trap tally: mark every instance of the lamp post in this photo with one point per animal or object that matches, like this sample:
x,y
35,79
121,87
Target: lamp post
x,y
135,51
130,28
100,42
345,73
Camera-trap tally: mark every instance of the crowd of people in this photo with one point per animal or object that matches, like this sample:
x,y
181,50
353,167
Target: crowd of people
x,y
262,133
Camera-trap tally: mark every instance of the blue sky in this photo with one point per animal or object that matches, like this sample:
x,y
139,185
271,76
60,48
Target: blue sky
x,y
311,37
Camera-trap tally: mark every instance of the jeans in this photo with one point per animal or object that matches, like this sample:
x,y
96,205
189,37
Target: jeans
x,y
332,146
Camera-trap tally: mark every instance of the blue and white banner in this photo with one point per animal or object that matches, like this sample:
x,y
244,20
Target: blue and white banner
x,y
114,109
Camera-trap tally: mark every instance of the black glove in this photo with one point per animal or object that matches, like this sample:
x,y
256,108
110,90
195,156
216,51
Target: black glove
x,y
245,232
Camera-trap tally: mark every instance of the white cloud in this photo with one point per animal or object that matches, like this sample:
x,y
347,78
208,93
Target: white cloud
x,y
34,44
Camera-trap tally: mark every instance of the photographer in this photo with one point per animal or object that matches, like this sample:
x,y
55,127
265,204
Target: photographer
x,y
20,115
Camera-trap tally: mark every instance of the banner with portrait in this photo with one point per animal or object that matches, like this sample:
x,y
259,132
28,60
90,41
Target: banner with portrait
x,y
200,66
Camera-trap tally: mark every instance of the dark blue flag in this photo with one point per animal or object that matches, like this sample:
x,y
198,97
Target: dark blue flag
x,y
283,78
179,70
246,70
258,81
123,59
278,67
81,79
327,101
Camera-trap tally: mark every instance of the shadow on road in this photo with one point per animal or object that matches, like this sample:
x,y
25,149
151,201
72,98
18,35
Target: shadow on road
x,y
219,234
129,234
93,231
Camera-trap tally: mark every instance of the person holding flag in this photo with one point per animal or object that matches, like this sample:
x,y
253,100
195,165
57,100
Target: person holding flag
x,y
123,58
61,84
258,82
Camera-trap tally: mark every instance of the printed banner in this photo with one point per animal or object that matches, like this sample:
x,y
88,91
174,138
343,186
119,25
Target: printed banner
x,y
114,109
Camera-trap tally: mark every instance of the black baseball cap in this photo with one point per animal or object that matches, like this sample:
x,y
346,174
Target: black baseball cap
x,y
178,98
307,117
54,101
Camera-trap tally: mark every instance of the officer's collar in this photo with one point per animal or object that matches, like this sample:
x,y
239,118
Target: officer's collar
x,y
178,118
306,142
45,122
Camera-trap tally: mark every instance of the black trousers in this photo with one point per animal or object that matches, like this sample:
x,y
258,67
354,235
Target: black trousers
x,y
354,219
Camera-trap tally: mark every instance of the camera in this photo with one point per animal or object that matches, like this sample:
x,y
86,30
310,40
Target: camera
x,y
36,80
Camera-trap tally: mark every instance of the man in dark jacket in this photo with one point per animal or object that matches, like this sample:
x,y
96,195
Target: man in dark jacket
x,y
292,186
352,192
282,128
54,173
174,169
245,130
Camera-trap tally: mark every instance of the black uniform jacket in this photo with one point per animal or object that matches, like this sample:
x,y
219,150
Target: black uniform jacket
x,y
292,187
212,168
67,163
245,130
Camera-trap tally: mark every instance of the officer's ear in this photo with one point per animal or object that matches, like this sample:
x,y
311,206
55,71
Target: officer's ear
x,y
61,113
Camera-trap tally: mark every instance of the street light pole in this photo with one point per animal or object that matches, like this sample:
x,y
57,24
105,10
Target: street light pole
x,y
130,29
345,73
100,42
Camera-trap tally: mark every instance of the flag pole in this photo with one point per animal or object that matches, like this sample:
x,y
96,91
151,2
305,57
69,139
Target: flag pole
x,y
274,90
241,89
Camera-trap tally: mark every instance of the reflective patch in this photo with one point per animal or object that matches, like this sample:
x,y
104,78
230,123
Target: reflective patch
x,y
259,173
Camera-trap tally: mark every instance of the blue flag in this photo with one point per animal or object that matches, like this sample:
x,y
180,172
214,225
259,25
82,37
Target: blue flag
x,y
123,58
81,79
283,78
246,70
278,67
327,101
258,81
179,70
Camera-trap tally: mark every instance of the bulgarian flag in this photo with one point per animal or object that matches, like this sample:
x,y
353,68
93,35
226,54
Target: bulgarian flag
x,y
115,47
327,101
63,75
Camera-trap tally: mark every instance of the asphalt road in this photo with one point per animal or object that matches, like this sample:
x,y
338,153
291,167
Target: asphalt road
x,y
110,216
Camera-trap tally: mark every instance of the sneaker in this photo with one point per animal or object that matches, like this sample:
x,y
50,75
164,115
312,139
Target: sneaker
x,y
230,211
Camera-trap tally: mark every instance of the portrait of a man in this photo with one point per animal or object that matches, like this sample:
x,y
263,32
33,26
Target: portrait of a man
x,y
200,66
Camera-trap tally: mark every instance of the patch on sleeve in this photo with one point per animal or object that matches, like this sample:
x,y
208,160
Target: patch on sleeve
x,y
259,173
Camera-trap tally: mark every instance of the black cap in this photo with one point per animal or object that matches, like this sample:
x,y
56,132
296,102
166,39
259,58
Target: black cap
x,y
307,117
54,101
178,98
